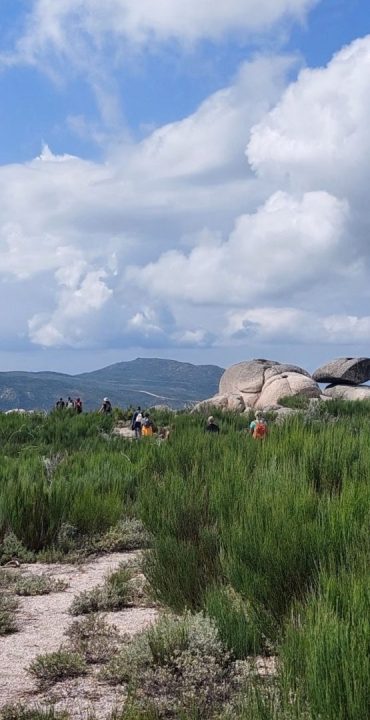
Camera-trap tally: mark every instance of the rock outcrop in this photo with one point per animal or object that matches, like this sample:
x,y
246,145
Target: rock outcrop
x,y
260,384
287,384
348,392
263,382
344,371
232,403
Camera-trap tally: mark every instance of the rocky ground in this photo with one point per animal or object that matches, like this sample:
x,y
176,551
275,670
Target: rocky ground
x,y
42,622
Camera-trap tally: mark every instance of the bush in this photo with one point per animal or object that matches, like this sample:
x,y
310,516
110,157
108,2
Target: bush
x,y
295,402
326,649
117,593
38,585
128,535
177,667
236,622
8,607
12,549
20,712
93,638
59,665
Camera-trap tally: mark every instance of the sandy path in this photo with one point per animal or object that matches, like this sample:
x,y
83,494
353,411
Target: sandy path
x,y
42,621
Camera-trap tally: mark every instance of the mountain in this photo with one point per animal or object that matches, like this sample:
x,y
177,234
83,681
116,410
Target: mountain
x,y
144,381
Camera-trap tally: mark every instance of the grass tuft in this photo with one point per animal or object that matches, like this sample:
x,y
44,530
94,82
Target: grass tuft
x,y
57,666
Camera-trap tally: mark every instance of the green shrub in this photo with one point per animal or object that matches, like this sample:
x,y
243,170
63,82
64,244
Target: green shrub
x,y
8,607
178,667
116,593
129,534
295,402
12,549
326,649
59,665
236,622
93,638
28,585
21,712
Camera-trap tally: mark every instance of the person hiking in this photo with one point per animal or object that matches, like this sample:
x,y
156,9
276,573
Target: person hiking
x,y
258,427
147,428
70,404
106,407
78,406
60,404
136,423
211,426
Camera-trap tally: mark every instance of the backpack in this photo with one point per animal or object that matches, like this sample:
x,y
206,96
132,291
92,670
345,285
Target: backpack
x,y
260,431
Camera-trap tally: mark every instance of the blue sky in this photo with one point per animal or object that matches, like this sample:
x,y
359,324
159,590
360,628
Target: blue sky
x,y
185,184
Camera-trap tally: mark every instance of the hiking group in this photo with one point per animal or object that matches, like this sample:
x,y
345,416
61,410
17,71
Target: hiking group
x,y
143,426
70,404
257,428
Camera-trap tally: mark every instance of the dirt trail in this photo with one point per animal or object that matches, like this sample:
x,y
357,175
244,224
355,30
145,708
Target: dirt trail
x,y
42,622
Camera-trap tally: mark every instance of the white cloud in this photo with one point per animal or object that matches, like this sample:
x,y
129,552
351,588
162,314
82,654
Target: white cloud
x,y
208,142
271,252
75,225
292,325
62,26
318,135
126,248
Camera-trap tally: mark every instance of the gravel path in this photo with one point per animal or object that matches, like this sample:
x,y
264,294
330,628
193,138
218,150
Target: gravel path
x,y
42,621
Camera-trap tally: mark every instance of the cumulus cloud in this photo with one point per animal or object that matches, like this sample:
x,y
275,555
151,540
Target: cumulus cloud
x,y
292,325
125,248
308,241
270,252
317,136
74,226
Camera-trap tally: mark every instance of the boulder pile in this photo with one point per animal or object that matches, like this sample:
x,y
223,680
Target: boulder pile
x,y
261,384
345,377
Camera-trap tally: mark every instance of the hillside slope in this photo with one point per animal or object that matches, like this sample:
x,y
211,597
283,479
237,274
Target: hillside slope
x,y
145,381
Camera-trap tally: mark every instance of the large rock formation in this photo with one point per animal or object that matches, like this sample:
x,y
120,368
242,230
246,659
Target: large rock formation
x,y
286,384
348,392
344,371
261,384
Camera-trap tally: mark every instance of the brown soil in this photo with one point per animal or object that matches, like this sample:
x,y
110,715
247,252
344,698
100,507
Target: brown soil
x,y
42,622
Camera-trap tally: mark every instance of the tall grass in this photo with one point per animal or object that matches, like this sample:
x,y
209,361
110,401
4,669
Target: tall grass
x,y
326,649
271,539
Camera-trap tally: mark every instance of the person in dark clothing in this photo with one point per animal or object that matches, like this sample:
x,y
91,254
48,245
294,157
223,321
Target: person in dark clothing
x,y
78,406
60,404
136,422
211,426
106,407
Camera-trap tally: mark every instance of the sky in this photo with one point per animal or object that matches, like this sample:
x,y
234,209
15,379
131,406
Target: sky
x,y
183,179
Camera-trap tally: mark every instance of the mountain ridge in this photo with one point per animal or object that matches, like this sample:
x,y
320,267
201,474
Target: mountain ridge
x,y
170,382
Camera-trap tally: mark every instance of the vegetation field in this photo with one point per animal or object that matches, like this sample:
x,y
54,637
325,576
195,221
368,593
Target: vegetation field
x,y
267,542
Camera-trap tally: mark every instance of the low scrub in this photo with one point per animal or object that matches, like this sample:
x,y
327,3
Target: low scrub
x,y
43,584
325,652
237,624
94,639
12,549
177,666
21,712
295,402
56,666
8,607
129,534
117,592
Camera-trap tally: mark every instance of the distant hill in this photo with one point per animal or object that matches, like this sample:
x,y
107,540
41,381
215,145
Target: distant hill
x,y
144,381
